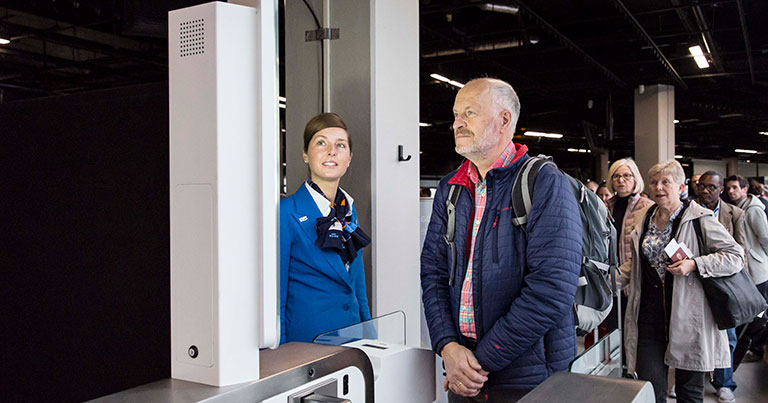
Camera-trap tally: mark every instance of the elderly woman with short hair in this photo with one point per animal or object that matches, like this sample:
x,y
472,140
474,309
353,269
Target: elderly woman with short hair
x,y
625,180
668,321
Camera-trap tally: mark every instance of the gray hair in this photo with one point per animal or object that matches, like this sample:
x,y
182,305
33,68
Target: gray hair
x,y
629,163
504,97
671,168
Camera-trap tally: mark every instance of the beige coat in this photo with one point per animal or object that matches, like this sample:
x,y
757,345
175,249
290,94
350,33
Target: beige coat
x,y
732,219
756,239
695,343
635,204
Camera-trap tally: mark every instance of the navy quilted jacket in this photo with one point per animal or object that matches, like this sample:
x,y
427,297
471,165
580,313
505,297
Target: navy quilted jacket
x,y
523,297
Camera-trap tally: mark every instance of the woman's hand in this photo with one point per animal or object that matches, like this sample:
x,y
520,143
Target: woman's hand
x,y
682,267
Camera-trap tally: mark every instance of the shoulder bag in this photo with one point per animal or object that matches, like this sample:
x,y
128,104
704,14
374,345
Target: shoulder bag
x,y
734,299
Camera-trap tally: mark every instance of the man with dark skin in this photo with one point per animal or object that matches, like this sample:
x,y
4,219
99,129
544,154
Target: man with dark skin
x,y
709,187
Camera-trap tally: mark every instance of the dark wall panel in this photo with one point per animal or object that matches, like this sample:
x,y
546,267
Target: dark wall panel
x,y
84,244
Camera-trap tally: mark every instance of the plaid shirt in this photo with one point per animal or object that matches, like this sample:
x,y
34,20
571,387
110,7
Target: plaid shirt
x,y
467,307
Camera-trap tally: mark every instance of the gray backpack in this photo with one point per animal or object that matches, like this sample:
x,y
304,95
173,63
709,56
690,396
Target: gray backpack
x,y
594,297
597,281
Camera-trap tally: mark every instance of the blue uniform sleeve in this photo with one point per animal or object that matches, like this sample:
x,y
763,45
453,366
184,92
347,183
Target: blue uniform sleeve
x,y
285,262
554,260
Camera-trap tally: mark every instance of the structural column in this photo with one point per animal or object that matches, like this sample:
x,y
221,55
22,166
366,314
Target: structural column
x,y
654,126
601,170
395,183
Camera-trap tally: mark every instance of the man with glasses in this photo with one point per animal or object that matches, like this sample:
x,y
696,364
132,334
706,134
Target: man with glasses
x,y
709,187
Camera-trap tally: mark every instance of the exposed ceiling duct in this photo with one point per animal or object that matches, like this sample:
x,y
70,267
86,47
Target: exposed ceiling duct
x,y
483,47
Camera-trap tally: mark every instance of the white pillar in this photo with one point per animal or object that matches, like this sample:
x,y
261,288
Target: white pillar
x,y
654,126
395,184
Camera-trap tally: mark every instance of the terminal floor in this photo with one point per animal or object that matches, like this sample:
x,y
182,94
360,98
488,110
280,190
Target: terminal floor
x,y
752,381
751,378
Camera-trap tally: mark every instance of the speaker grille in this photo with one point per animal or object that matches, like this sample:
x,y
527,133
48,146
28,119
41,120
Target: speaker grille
x,y
192,37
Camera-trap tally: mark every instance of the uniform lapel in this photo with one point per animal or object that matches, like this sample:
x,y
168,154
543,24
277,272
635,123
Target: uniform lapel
x,y
307,215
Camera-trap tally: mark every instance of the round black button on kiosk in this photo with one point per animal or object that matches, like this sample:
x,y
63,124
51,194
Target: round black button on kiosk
x,y
192,351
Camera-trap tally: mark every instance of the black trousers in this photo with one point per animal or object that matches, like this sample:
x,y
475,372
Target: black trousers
x,y
689,385
753,338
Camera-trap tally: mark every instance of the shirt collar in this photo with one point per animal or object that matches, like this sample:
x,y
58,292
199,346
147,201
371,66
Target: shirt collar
x,y
507,157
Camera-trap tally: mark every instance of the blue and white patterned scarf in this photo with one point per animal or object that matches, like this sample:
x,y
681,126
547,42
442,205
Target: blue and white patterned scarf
x,y
335,228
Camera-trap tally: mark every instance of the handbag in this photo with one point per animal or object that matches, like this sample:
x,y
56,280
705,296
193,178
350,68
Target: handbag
x,y
734,299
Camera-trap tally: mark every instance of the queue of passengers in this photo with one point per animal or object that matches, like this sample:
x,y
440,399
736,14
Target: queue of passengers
x,y
498,299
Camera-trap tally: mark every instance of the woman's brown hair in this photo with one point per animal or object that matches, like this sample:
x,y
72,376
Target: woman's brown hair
x,y
324,121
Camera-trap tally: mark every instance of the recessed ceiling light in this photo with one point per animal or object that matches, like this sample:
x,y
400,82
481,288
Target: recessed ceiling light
x,y
679,157
675,121
542,134
444,79
764,133
4,41
424,124
743,151
698,57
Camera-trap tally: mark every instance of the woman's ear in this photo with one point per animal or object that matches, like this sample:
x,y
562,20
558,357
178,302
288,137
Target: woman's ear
x,y
304,155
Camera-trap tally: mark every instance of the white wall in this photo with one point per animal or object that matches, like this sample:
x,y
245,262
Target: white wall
x,y
395,184
750,169
700,166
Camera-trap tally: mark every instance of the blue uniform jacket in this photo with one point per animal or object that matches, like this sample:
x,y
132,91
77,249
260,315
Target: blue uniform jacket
x,y
523,296
317,294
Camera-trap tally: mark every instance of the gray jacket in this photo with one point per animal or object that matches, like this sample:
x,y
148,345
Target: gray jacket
x,y
756,238
695,343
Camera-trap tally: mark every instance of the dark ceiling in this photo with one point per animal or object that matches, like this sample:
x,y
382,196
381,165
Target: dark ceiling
x,y
561,56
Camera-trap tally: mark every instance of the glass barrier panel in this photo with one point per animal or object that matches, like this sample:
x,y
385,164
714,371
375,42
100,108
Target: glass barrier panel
x,y
389,328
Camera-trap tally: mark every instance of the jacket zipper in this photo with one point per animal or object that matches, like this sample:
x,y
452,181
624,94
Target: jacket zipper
x,y
495,239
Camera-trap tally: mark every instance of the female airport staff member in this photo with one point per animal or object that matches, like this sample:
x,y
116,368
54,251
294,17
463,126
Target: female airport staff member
x,y
322,282
668,320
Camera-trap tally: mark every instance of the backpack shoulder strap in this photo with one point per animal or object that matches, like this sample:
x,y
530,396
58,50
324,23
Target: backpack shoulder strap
x,y
522,188
450,210
450,227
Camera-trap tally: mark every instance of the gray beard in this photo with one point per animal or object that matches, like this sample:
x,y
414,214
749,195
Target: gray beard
x,y
478,149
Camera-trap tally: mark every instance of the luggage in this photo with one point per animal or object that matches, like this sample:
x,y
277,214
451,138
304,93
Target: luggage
x,y
597,282
734,299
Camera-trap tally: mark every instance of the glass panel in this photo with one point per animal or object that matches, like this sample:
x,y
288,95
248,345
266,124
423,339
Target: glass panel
x,y
602,358
389,328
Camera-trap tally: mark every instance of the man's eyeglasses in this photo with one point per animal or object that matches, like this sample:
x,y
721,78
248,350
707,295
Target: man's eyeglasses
x,y
710,188
626,177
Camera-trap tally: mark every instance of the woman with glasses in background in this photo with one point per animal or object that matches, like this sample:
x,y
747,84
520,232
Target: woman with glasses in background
x,y
625,181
